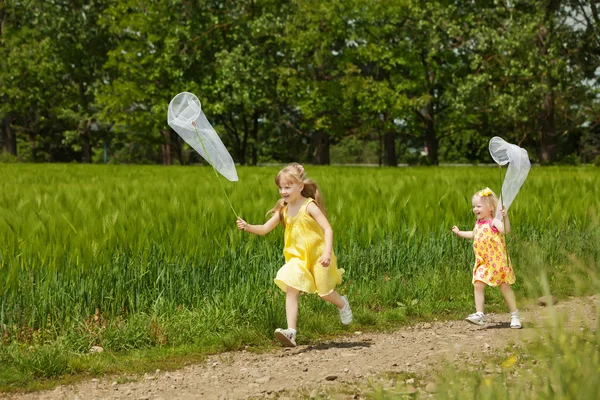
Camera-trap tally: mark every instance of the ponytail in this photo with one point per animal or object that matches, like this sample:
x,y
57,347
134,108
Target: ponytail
x,y
311,189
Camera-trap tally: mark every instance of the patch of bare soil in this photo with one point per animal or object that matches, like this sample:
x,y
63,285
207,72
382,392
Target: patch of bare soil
x,y
354,359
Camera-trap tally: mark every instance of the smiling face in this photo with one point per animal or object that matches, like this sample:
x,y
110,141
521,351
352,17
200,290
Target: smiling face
x,y
289,189
481,210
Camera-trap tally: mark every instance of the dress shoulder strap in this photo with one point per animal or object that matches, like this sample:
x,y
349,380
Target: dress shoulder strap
x,y
304,207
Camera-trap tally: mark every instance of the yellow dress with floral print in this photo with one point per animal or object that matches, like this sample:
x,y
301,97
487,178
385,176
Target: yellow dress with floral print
x,y
304,244
490,256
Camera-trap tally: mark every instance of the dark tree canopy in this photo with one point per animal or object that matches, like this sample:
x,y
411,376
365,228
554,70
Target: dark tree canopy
x,y
344,81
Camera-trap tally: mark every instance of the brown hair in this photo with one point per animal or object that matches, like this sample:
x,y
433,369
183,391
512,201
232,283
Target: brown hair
x,y
294,173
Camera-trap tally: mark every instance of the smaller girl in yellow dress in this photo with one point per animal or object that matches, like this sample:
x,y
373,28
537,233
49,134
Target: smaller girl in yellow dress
x,y
310,264
491,266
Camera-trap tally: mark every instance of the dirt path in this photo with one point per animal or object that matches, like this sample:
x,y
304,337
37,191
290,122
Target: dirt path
x,y
353,359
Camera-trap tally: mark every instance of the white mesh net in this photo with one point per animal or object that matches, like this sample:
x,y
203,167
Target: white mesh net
x,y
183,110
518,168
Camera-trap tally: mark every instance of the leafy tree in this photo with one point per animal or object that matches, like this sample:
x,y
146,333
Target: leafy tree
x,y
313,73
527,82
285,81
31,79
154,57
81,44
243,87
379,83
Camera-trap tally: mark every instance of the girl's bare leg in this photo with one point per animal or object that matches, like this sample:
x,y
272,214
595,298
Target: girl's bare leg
x,y
509,296
291,306
334,298
479,296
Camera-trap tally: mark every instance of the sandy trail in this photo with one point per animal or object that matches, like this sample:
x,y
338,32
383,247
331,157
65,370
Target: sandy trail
x,y
349,360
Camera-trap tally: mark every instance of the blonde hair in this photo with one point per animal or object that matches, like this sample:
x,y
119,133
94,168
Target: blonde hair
x,y
489,198
294,173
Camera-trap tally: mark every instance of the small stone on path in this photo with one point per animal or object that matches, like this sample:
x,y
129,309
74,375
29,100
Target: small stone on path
x,y
431,387
546,301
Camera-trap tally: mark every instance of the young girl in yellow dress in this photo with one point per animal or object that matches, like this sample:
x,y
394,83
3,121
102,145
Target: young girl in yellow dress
x,y
310,264
491,267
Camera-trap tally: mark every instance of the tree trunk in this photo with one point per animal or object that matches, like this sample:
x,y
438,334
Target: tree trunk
x,y
10,139
166,148
547,133
427,113
241,157
33,146
389,144
254,154
240,143
380,147
177,147
86,147
86,136
320,145
255,138
431,140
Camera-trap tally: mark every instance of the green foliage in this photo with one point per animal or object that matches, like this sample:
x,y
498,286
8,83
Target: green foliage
x,y
287,81
5,157
354,151
131,257
571,159
45,361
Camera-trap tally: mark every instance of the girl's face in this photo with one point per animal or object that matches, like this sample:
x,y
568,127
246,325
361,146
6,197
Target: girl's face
x,y
480,209
290,190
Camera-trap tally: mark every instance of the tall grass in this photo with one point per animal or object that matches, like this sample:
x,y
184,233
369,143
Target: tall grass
x,y
561,361
134,256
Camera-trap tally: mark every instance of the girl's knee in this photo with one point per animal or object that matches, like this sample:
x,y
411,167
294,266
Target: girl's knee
x,y
327,296
479,285
505,287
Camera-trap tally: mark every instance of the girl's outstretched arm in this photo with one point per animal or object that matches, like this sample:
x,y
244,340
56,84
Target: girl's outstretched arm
x,y
503,225
462,234
321,219
259,229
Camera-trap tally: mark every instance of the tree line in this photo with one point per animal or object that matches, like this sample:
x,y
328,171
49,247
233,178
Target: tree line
x,y
388,80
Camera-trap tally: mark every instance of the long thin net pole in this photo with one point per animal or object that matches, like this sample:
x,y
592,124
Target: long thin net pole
x,y
215,170
503,217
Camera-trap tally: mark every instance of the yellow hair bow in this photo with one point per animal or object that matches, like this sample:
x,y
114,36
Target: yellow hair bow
x,y
485,192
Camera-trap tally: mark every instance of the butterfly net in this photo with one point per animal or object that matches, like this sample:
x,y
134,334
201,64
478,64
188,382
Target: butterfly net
x,y
185,109
518,168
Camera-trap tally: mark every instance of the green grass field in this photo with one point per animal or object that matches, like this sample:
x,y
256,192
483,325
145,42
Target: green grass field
x,y
145,257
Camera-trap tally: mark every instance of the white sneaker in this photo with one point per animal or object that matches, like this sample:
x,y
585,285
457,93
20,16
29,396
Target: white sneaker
x,y
515,320
346,312
286,337
478,319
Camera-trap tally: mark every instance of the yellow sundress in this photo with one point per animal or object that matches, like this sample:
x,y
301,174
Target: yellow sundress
x,y
304,244
490,256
